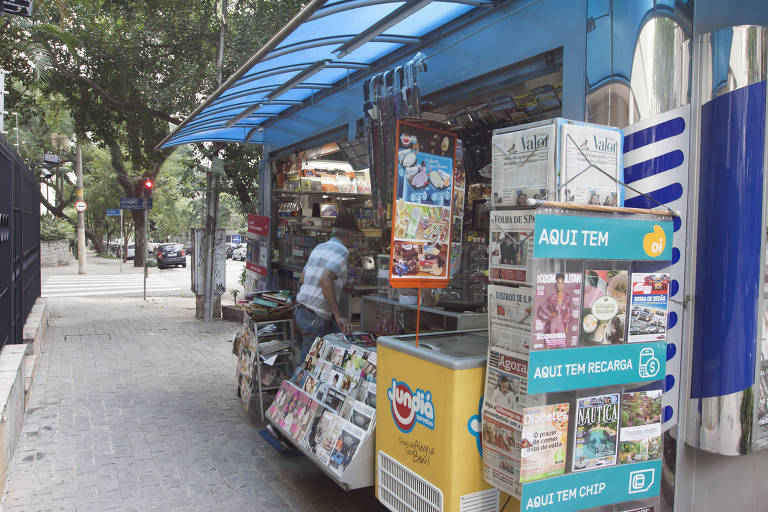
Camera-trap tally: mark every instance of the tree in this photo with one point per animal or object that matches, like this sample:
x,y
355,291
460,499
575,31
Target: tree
x,y
129,70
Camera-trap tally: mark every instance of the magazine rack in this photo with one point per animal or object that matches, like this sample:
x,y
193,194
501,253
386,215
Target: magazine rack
x,y
577,317
263,343
328,408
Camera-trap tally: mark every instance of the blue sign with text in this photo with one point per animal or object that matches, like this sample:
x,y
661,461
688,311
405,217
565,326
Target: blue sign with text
x,y
113,212
136,203
235,239
589,367
588,489
602,238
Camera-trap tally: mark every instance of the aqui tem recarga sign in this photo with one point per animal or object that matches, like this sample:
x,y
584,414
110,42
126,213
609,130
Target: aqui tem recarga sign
x,y
603,238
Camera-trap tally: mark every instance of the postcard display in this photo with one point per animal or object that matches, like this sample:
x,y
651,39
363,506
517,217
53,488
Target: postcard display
x,y
572,410
328,408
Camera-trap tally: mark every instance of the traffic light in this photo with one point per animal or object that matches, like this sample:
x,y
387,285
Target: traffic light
x,y
148,185
152,225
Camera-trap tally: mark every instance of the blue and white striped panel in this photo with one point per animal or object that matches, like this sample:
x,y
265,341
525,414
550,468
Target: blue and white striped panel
x,y
656,164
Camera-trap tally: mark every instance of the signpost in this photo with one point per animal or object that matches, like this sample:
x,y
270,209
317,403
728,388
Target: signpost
x,y
113,212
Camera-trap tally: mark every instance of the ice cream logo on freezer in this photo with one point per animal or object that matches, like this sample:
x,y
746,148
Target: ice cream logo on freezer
x,y
410,408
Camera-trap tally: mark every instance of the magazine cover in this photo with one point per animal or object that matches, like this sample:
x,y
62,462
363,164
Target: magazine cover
x,y
306,411
336,355
557,305
368,395
501,456
362,415
506,388
334,399
582,147
648,307
278,403
605,307
596,429
640,433
289,412
511,246
510,307
523,165
543,442
322,434
345,448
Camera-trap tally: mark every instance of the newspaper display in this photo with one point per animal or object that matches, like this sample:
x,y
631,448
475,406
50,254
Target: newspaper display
x,y
584,147
328,407
510,314
523,165
648,309
501,457
511,246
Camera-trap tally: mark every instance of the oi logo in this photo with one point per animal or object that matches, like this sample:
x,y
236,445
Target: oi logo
x,y
654,243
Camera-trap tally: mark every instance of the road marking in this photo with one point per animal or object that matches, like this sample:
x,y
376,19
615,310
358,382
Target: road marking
x,y
83,286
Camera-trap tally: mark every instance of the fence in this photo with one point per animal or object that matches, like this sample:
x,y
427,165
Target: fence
x,y
19,243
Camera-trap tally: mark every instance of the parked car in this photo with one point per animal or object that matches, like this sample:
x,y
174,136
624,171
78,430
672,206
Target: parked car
x,y
230,249
239,253
188,248
130,253
171,255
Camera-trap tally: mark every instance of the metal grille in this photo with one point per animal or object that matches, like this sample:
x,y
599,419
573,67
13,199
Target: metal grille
x,y
481,501
19,244
402,490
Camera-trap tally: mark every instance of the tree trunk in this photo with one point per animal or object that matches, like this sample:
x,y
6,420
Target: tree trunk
x,y
140,238
95,238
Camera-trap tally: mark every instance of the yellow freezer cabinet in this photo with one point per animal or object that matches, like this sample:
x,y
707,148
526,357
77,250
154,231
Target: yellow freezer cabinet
x,y
428,423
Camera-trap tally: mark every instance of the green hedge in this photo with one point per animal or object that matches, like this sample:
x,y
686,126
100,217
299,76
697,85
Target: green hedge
x,y
52,229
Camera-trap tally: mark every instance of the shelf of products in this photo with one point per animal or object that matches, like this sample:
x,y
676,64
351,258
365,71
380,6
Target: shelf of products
x,y
328,408
386,317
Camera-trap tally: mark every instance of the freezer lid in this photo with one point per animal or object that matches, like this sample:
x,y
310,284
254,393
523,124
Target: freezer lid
x,y
458,350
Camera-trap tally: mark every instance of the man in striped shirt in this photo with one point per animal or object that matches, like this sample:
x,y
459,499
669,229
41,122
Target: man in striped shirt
x,y
322,281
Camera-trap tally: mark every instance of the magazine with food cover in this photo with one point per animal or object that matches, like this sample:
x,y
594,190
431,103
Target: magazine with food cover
x,y
640,433
346,447
583,149
556,305
604,312
510,307
596,428
511,246
648,307
543,442
523,165
506,388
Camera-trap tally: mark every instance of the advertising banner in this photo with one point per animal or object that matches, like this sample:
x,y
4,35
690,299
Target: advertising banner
x,y
258,225
421,211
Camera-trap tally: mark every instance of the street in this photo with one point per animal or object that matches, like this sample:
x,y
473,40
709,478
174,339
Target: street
x,y
104,278
134,408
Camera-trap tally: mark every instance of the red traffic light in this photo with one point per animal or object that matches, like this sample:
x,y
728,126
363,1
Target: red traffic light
x,y
148,183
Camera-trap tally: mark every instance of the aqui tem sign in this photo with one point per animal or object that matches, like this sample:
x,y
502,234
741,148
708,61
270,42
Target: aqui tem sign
x,y
80,206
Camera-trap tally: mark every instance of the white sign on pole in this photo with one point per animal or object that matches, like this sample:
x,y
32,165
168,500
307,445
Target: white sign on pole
x,y
80,206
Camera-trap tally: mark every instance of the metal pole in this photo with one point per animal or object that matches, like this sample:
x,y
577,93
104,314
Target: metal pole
x,y
146,244
212,210
80,215
121,240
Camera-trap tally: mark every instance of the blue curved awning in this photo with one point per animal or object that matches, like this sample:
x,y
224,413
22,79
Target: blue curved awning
x,y
318,49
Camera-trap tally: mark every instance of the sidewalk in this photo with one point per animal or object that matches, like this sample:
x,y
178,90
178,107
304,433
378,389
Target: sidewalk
x,y
134,408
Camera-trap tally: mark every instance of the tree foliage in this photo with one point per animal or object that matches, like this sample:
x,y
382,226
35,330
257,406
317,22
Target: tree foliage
x,y
128,71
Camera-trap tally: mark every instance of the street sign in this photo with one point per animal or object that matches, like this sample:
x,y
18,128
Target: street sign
x,y
235,239
80,206
135,203
113,212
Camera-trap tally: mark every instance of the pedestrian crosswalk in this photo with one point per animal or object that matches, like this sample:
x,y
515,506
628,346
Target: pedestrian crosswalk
x,y
125,285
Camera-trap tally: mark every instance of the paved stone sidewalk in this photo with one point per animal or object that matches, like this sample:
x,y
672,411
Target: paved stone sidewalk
x,y
134,408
